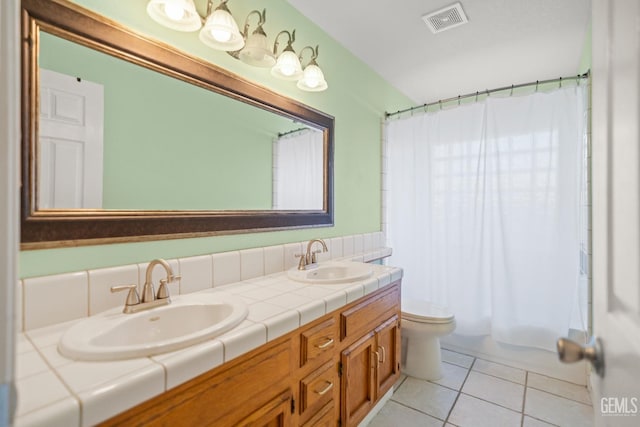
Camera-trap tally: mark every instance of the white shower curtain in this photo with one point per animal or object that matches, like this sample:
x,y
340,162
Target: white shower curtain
x,y
482,212
298,173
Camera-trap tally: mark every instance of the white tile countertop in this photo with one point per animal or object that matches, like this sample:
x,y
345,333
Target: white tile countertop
x,y
56,391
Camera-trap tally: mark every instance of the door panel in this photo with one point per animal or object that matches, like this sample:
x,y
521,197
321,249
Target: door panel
x,y
616,209
70,142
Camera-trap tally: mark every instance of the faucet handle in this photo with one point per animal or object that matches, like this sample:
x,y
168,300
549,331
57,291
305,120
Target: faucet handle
x,y
303,261
163,289
132,297
172,278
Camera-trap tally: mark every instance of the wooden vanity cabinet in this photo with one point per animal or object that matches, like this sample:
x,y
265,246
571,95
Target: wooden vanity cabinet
x,y
371,365
328,373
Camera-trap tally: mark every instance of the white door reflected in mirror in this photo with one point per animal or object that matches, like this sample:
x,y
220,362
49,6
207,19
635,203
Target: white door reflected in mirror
x,y
71,142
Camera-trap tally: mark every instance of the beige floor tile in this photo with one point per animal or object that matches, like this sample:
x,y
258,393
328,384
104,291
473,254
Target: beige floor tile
x,y
532,422
456,358
557,410
495,390
426,397
399,382
559,387
472,412
393,414
499,370
452,376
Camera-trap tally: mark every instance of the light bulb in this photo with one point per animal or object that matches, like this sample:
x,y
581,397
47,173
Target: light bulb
x,y
312,82
288,66
287,70
180,15
221,35
174,11
312,79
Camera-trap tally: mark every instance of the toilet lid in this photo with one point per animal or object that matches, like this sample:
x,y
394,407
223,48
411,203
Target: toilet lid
x,y
424,311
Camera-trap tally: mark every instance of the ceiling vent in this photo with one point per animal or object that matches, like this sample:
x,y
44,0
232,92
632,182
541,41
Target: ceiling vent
x,y
445,18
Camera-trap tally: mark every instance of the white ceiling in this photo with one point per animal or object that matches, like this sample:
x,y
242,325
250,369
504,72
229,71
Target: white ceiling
x,y
505,42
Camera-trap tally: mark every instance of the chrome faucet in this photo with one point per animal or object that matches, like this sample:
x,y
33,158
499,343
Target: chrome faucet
x,y
149,299
309,258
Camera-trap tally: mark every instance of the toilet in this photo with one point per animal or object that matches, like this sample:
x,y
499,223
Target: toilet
x,y
423,323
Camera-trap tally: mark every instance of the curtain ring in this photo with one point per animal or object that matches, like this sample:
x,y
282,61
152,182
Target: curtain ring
x,y
440,104
458,100
476,96
560,82
537,85
511,94
425,107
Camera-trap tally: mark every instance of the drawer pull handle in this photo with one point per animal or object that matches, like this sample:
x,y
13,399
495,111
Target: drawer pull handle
x,y
384,354
325,344
326,389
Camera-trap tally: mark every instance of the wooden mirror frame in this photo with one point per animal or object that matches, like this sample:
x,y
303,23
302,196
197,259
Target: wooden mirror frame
x,y
74,227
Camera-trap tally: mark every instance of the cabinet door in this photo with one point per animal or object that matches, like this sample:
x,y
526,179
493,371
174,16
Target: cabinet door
x,y
275,413
388,352
358,383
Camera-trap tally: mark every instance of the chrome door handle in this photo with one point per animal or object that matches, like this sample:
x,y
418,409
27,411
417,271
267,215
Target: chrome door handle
x,y
570,351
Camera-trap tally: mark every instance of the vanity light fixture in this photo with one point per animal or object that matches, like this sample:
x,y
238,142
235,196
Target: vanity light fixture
x,y
179,15
288,65
312,77
220,30
256,51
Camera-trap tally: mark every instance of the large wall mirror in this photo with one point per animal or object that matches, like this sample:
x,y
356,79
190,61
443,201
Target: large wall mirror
x,y
126,138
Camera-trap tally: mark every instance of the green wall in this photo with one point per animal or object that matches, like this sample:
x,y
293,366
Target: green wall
x,y
162,135
357,98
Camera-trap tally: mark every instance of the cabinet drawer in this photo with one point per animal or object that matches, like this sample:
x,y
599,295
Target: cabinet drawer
x,y
318,341
358,319
317,388
325,417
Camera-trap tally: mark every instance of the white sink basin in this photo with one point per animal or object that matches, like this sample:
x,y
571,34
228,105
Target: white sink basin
x,y
188,320
332,273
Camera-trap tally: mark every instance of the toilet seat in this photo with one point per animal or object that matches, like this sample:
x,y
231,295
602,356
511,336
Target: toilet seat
x,y
425,312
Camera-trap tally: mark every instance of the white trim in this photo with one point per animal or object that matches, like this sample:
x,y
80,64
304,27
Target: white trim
x,y
9,200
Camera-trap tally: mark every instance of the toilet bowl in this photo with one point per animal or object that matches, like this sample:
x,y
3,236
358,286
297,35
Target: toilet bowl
x,y
423,324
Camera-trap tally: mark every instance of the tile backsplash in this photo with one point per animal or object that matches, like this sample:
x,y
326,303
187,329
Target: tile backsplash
x,y
47,300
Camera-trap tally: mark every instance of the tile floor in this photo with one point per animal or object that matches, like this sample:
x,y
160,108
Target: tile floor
x,y
475,393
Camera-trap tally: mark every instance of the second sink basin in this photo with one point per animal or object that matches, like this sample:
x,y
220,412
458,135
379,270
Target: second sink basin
x,y
332,273
189,319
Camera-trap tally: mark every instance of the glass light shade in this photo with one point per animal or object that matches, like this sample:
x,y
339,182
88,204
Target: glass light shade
x,y
312,79
221,32
180,15
256,52
288,66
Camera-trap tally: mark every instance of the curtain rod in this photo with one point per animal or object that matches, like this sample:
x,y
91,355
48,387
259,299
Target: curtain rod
x,y
281,134
487,92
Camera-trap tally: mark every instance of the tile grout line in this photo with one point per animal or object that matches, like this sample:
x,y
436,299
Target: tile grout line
x,y
524,397
446,420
